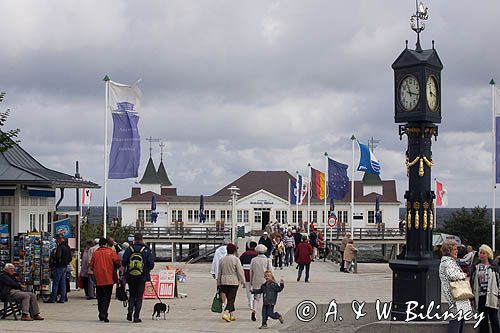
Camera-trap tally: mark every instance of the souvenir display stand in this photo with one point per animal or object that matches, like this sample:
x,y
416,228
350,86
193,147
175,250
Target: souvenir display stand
x,y
31,254
5,255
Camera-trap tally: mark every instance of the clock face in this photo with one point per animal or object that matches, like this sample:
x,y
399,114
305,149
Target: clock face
x,y
431,92
409,92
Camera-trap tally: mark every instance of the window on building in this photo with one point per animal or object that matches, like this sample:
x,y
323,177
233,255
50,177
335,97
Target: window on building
x,y
281,216
41,222
371,216
257,217
144,215
342,216
32,222
176,215
314,216
294,216
193,215
225,215
242,216
209,215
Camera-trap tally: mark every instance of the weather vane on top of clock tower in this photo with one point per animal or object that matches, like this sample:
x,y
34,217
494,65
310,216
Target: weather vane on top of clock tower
x,y
416,22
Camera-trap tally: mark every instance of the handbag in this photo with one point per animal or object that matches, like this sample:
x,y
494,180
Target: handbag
x,y
121,293
217,303
461,290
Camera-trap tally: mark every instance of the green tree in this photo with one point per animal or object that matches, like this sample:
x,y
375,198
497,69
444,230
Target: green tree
x,y
6,137
473,226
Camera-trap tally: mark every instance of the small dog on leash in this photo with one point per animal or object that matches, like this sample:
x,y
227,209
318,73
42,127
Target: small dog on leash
x,y
159,309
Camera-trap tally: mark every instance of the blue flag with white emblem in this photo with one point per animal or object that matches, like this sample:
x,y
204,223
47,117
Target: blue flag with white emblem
x,y
367,160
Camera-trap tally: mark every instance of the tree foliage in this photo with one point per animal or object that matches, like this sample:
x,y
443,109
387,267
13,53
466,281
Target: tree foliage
x,y
7,137
93,231
473,226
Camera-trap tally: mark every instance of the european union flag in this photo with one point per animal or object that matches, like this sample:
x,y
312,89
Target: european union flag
x,y
338,182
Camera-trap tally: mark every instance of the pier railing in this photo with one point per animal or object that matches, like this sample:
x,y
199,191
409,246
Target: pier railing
x,y
371,233
182,232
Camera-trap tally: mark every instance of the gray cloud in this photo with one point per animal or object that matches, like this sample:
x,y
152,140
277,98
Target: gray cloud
x,y
233,86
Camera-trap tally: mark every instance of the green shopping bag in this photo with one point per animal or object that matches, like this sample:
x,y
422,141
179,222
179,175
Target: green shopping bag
x,y
217,303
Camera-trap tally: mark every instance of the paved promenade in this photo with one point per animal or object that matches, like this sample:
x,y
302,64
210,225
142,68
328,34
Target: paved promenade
x,y
192,314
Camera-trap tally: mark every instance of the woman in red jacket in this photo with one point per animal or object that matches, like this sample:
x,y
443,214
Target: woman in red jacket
x,y
104,264
303,257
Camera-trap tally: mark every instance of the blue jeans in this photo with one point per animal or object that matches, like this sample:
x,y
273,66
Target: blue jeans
x,y
289,256
59,283
268,311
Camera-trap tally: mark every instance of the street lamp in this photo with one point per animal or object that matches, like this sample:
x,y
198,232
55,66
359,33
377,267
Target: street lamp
x,y
234,193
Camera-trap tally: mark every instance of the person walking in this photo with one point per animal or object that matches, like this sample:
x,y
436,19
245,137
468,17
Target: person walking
x,y
138,262
313,240
258,266
303,257
89,270
289,241
105,263
345,240
484,281
10,287
278,251
450,271
267,242
246,259
349,255
60,258
270,290
230,277
84,275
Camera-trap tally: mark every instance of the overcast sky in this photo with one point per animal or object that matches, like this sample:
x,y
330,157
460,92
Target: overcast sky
x,y
233,86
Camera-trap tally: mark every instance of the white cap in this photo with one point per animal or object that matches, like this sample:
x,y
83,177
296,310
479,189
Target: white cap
x,y
265,233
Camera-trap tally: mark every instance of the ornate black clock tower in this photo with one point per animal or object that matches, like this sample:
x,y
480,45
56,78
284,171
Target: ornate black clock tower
x,y
417,87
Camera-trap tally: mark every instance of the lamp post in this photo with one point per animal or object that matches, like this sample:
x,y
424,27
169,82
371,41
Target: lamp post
x,y
234,193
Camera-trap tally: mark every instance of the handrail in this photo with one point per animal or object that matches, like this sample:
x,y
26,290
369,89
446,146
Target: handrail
x,y
367,233
181,232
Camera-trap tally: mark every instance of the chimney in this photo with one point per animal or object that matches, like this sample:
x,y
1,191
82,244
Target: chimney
x,y
136,191
170,191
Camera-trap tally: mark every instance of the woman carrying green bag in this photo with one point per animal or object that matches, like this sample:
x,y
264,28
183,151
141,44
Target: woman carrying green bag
x,y
217,303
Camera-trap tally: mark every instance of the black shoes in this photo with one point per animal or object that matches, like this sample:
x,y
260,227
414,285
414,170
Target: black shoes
x,y
129,316
253,316
137,320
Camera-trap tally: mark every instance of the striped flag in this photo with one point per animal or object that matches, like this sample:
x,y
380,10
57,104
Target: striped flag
x,y
317,184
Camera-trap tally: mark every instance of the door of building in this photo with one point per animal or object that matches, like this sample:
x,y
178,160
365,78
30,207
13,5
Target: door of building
x,y
6,237
265,219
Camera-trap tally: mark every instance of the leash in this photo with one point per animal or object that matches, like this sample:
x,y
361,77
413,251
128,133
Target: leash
x,y
153,286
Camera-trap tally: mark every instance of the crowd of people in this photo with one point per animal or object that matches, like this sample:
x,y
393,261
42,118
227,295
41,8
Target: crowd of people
x,y
482,271
254,270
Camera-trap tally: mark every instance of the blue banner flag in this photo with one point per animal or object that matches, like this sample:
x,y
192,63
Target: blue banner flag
x,y
154,213
338,182
125,153
367,160
202,215
293,192
62,227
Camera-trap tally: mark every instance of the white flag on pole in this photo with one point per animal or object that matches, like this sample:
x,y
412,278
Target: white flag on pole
x,y
86,196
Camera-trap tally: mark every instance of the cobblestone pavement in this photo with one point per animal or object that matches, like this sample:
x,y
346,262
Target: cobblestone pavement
x,y
192,314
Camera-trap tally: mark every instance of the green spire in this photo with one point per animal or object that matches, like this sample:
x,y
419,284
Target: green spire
x,y
492,81
106,78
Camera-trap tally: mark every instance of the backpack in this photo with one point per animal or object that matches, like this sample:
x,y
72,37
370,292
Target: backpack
x,y
136,263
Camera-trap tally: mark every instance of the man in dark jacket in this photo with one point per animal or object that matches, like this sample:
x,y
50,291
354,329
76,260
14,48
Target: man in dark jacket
x,y
138,262
60,258
303,255
10,287
265,240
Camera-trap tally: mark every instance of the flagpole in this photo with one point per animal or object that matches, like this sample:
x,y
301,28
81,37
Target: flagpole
x,y
309,217
106,80
352,188
297,194
435,207
493,175
326,193
289,203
